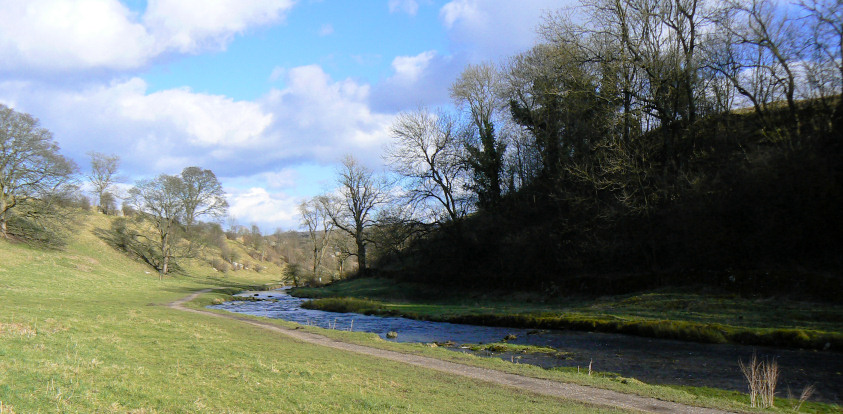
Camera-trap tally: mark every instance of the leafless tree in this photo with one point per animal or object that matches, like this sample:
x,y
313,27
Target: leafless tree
x,y
103,176
31,168
319,226
825,66
426,153
161,200
758,51
202,195
478,92
361,192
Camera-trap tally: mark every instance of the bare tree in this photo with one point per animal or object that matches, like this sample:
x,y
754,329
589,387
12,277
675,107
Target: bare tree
x,y
825,68
31,168
427,153
317,222
202,195
103,176
396,228
478,90
361,192
757,50
161,200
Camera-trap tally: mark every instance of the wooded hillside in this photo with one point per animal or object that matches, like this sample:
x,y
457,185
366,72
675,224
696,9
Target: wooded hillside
x,y
656,143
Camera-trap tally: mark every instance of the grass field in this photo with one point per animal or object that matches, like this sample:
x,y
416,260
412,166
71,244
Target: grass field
x,y
691,315
82,330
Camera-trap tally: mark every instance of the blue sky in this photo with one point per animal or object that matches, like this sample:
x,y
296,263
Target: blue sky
x,y
269,94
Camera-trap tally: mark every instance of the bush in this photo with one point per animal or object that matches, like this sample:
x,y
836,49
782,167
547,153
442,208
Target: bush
x,y
128,211
220,265
227,253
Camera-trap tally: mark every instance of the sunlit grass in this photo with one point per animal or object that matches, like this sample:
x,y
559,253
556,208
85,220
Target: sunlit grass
x,y
85,330
699,396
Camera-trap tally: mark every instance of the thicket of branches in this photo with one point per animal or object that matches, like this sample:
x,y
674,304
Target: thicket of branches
x,y
649,137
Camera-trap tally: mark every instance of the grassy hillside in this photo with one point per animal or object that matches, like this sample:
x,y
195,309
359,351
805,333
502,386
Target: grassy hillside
x,y
82,330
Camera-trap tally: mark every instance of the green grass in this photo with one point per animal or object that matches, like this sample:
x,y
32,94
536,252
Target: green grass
x,y
82,330
702,317
699,396
503,347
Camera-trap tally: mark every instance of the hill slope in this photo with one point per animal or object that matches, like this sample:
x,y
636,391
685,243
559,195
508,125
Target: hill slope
x,y
83,330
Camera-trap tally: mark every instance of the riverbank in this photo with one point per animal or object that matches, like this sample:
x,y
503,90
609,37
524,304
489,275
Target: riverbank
x,y
599,397
700,316
700,370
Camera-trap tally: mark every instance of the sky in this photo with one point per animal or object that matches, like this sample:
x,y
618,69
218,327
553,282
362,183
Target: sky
x,y
268,94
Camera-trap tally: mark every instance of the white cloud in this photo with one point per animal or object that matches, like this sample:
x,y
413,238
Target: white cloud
x,y
313,118
460,10
268,210
153,132
410,7
492,29
60,35
286,178
55,36
191,25
326,29
410,68
422,79
322,119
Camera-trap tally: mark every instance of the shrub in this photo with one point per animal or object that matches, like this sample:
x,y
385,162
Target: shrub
x,y
220,265
128,211
762,377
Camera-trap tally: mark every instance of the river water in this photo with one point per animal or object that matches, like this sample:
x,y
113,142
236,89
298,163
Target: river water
x,y
655,361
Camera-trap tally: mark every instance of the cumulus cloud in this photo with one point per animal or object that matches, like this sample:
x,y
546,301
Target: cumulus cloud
x,y
259,206
410,68
421,79
55,36
153,132
313,118
61,35
492,29
319,118
191,25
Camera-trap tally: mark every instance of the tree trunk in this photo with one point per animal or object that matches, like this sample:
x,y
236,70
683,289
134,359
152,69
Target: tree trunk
x,y
165,253
361,256
3,210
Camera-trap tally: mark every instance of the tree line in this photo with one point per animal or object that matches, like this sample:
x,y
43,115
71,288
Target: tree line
x,y
36,181
637,136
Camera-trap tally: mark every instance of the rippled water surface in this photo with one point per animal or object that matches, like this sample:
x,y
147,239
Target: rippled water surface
x,y
656,361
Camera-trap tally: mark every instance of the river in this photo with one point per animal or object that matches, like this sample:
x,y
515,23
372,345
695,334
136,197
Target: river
x,y
655,361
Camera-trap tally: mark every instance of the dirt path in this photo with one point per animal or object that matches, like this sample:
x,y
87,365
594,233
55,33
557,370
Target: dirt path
x,y
574,392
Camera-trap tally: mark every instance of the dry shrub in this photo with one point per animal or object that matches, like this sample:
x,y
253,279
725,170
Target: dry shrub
x,y
220,265
6,409
807,392
762,377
